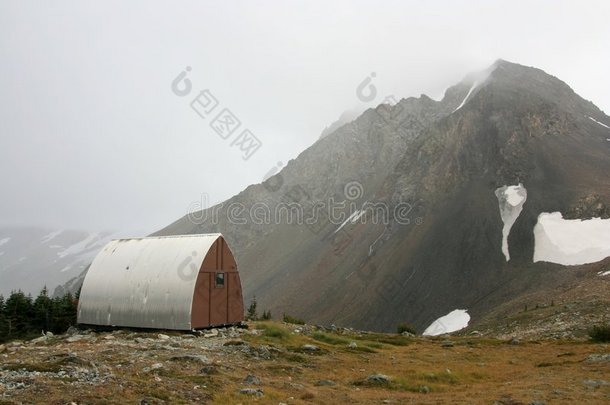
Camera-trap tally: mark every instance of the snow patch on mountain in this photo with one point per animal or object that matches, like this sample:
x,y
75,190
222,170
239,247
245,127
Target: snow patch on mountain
x,y
355,216
510,200
604,273
600,123
84,245
571,241
65,269
477,79
455,320
474,85
360,213
48,237
36,257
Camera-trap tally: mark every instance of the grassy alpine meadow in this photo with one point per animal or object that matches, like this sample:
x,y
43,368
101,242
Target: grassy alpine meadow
x,y
273,363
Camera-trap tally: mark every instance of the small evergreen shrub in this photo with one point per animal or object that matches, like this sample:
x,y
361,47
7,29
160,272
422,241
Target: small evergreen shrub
x,y
252,314
405,327
293,320
600,333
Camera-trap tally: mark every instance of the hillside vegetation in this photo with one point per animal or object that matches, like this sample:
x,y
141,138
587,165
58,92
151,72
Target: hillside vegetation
x,y
273,363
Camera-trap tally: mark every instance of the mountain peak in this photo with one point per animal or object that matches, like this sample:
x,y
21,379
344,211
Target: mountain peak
x,y
418,162
518,82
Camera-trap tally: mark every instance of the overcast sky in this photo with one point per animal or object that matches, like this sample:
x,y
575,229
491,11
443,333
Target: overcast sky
x,y
93,137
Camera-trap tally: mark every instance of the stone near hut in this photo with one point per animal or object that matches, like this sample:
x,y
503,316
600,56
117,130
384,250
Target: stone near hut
x,y
212,333
208,370
252,380
596,383
41,339
598,357
252,391
378,378
75,338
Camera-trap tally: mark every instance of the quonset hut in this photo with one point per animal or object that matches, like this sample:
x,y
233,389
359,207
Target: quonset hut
x,y
170,282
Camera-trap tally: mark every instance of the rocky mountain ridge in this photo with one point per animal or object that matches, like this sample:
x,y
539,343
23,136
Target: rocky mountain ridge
x,y
417,230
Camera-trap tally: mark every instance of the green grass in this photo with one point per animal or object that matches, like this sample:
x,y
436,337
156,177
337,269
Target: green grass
x,y
330,339
387,339
293,320
442,378
374,345
275,332
295,358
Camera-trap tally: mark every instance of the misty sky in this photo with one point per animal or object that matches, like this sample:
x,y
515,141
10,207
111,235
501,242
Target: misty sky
x,y
92,136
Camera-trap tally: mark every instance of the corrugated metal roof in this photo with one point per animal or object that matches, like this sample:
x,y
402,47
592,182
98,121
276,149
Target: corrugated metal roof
x,y
145,282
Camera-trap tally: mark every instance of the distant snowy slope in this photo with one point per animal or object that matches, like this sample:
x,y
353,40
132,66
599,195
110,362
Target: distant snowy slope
x,y
31,258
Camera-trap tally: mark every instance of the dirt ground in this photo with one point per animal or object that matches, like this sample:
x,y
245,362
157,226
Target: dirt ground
x,y
274,363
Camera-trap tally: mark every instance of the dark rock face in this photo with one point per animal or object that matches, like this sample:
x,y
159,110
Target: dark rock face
x,y
438,165
590,206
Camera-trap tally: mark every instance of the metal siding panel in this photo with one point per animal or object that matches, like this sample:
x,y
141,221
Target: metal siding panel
x,y
201,302
157,289
236,301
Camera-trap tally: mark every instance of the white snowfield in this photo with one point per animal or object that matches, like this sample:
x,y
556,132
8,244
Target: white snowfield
x,y
571,241
452,322
93,240
510,200
48,237
604,273
600,123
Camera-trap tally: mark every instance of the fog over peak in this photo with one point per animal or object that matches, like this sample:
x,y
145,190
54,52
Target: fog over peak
x,y
93,137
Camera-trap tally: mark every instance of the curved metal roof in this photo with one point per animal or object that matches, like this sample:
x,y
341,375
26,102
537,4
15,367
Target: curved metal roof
x,y
145,282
